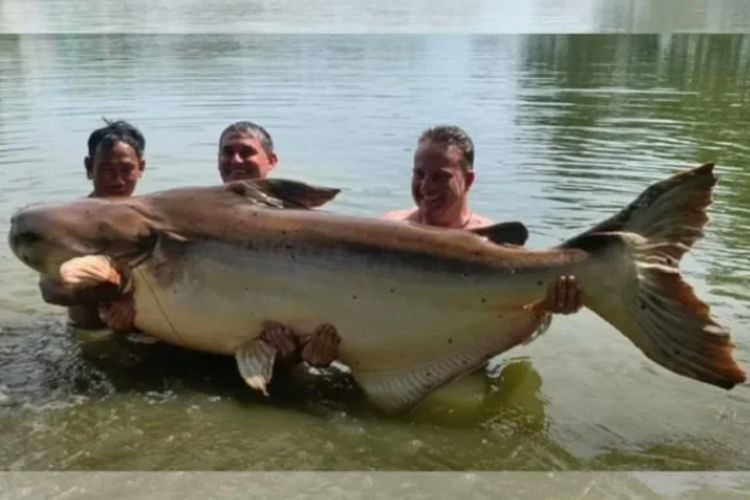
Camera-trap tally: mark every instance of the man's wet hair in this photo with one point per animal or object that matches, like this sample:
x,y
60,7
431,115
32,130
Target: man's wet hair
x,y
113,132
249,128
451,135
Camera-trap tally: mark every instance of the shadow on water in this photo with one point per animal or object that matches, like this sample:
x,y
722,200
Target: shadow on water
x,y
60,388
56,377
511,393
54,363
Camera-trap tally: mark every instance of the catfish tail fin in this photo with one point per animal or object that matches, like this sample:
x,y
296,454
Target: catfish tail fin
x,y
647,300
644,296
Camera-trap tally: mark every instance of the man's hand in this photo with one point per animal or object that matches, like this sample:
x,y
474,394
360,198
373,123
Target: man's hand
x,y
118,315
87,272
564,296
321,348
282,339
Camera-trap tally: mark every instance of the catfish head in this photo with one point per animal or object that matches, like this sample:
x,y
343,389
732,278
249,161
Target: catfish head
x,y
127,229
45,236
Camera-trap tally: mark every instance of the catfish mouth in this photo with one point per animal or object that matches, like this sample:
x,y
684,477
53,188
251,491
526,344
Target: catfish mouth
x,y
41,253
26,246
44,238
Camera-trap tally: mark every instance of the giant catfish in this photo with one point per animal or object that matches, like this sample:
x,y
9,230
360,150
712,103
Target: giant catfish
x,y
415,306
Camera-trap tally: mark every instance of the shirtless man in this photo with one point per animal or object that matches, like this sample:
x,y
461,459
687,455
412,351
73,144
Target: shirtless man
x,y
114,165
442,177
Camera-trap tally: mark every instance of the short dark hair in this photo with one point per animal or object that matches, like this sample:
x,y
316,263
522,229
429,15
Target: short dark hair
x,y
114,132
250,128
451,135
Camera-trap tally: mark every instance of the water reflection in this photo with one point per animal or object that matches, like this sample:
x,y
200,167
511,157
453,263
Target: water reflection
x,y
388,16
615,109
510,397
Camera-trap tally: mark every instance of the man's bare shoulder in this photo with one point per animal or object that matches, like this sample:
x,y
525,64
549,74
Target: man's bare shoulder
x,y
404,215
476,221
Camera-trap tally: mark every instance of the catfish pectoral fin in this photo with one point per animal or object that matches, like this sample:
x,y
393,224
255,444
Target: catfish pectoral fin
x,y
255,360
504,233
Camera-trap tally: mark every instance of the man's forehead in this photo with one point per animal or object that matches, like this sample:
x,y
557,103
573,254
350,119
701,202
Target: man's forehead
x,y
240,138
119,149
436,151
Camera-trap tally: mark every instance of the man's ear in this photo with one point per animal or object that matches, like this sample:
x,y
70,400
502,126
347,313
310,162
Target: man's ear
x,y
89,168
469,178
142,166
273,159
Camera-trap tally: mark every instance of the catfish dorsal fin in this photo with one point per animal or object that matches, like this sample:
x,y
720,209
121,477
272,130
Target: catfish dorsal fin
x,y
282,193
504,233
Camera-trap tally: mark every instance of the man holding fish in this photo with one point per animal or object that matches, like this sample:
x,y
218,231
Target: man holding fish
x,y
114,164
415,306
442,177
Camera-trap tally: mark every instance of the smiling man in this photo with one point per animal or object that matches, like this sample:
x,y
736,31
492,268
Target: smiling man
x,y
442,177
245,152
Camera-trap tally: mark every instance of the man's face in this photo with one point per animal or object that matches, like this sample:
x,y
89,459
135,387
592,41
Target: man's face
x,y
115,171
241,157
439,184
